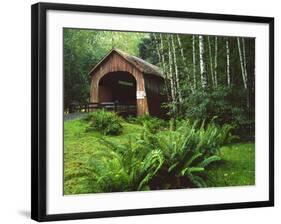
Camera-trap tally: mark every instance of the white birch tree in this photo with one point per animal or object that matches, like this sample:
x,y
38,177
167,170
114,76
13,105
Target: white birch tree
x,y
176,69
244,59
171,77
216,62
186,72
203,71
194,61
161,56
245,71
211,61
242,64
227,61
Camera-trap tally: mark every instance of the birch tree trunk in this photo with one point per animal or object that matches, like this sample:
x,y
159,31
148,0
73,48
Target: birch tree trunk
x,y
244,60
184,62
245,71
216,62
166,72
227,61
172,84
163,55
181,49
203,71
176,69
242,64
194,61
160,52
211,61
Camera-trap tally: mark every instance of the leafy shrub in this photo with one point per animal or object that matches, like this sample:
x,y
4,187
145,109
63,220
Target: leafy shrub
x,y
213,136
131,119
228,104
108,123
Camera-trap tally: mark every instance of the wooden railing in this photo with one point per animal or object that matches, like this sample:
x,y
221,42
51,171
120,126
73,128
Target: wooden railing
x,y
119,108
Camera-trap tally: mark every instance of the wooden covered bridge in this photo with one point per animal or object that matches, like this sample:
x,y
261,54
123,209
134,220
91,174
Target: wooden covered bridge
x,y
128,81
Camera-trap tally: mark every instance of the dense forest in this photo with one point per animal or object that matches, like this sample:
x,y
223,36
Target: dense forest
x,y
206,76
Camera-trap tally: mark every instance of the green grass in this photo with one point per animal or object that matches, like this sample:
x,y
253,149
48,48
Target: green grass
x,y
236,168
79,145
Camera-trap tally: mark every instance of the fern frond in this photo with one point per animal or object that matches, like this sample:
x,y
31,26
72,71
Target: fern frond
x,y
194,157
197,180
190,170
209,160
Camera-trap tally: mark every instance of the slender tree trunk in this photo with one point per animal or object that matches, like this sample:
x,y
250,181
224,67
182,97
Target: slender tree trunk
x,y
160,52
245,70
166,72
184,62
244,59
216,62
203,71
181,49
194,61
176,69
211,61
242,64
172,87
227,62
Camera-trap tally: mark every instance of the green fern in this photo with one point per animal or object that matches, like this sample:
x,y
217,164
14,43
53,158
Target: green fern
x,y
209,160
124,167
197,180
185,151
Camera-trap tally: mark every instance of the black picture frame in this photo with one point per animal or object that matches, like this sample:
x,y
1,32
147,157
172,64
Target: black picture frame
x,y
38,108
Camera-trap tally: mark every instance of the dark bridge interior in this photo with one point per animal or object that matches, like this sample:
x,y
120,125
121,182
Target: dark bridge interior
x,y
118,87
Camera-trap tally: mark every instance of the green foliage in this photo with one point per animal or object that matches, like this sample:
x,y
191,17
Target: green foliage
x,y
224,103
188,150
232,101
108,123
213,136
171,158
102,163
123,167
106,172
177,157
154,124
80,53
147,49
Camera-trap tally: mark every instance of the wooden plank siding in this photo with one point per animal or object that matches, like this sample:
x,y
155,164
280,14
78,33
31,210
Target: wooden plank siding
x,y
156,96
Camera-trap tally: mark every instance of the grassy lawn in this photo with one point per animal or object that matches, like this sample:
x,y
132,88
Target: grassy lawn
x,y
78,148
237,166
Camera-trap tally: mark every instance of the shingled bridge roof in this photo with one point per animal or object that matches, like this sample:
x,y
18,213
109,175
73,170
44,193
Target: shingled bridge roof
x,y
144,66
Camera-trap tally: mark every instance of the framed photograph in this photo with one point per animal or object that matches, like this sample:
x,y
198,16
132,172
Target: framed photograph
x,y
139,111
